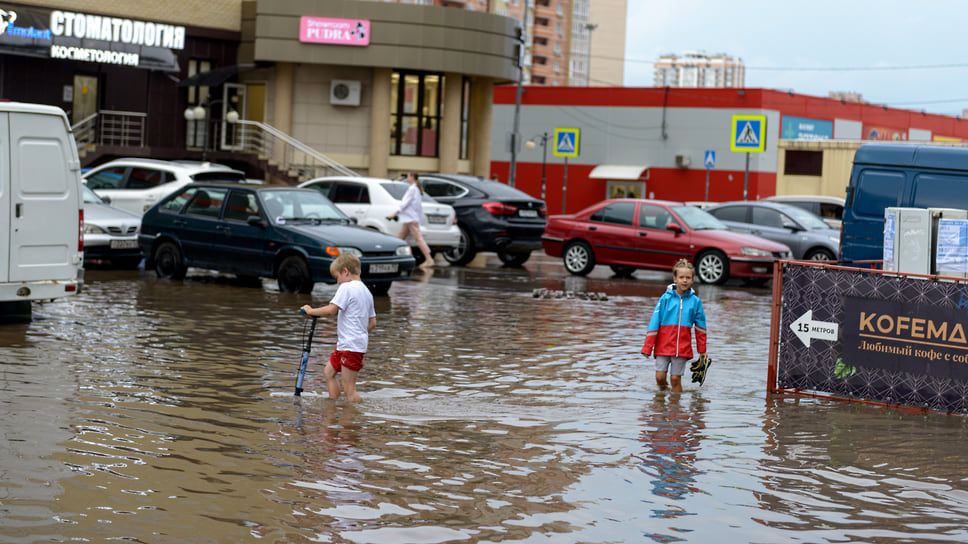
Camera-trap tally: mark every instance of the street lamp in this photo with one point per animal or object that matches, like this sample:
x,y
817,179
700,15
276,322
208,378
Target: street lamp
x,y
530,144
588,65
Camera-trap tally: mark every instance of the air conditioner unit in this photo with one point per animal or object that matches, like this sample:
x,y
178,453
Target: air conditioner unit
x,y
344,92
682,161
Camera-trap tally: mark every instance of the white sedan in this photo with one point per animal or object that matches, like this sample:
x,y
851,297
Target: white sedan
x,y
371,200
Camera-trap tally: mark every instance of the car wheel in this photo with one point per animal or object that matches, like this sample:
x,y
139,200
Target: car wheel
x,y
379,288
514,259
464,252
712,267
579,258
622,271
293,275
169,263
820,255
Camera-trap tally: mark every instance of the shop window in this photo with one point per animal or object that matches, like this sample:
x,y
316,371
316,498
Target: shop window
x,y
196,131
416,110
803,163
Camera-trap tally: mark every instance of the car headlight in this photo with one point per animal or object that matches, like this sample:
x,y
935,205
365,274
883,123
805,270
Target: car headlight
x,y
350,250
93,229
404,251
756,252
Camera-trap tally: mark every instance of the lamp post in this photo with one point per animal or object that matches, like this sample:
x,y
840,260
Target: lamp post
x,y
530,144
588,65
202,113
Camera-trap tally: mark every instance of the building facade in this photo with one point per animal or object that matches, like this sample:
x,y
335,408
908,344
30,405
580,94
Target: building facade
x,y
699,70
683,144
403,87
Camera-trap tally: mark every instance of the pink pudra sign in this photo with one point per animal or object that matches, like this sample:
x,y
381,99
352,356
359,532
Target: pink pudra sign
x,y
334,31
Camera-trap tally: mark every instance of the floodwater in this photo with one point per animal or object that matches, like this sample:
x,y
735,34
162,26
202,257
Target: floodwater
x,y
143,410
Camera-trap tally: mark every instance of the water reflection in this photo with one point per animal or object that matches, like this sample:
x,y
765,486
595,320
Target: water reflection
x,y
671,437
144,410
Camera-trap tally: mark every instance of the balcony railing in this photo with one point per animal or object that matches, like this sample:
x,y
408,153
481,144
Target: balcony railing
x,y
115,128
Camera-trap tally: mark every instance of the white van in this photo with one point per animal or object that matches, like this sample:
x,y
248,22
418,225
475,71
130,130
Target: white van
x,y
41,248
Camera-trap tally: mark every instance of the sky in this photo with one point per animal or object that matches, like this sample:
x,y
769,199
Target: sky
x,y
907,54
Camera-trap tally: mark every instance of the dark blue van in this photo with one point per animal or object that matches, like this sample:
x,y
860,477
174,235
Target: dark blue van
x,y
903,175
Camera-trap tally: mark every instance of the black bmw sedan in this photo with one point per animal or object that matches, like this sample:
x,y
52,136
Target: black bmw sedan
x,y
491,215
286,233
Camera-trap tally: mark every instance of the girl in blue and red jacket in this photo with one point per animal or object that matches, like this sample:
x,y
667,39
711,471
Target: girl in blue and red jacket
x,y
670,329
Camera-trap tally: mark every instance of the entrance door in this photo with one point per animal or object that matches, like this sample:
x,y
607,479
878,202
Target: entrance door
x,y
85,98
233,99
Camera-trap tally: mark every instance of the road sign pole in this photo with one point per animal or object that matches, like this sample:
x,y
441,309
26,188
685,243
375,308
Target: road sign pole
x,y
707,184
746,178
564,187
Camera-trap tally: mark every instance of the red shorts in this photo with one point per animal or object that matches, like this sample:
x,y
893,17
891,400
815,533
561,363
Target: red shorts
x,y
352,360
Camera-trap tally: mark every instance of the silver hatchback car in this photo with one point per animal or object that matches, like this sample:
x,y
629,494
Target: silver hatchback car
x,y
807,234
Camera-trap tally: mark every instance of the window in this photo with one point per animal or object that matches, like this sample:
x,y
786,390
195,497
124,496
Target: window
x,y
146,178
416,108
176,204
350,193
619,213
731,213
437,188
765,217
654,217
196,132
803,163
240,206
109,178
465,118
207,202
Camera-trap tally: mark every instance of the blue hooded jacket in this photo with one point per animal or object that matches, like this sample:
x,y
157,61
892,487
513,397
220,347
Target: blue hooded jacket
x,y
670,329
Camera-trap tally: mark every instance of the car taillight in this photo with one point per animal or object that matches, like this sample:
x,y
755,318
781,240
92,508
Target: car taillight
x,y
80,230
499,208
543,211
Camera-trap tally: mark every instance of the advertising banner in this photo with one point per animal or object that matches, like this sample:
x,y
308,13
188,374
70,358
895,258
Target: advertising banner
x,y
865,335
802,128
81,37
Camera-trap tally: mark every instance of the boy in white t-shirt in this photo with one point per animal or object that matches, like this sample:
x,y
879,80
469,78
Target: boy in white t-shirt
x,y
353,306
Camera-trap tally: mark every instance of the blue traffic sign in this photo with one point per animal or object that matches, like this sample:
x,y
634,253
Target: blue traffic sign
x,y
566,142
710,161
748,133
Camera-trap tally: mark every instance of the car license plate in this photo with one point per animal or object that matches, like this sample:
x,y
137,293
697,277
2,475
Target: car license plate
x,y
124,244
390,268
528,213
436,219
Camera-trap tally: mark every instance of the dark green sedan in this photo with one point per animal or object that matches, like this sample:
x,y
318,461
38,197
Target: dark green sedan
x,y
286,233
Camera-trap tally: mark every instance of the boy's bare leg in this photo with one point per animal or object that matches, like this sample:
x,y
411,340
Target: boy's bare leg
x,y
349,385
676,383
660,379
331,383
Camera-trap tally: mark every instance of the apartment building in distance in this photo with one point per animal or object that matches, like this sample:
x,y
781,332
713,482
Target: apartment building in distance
x,y
696,69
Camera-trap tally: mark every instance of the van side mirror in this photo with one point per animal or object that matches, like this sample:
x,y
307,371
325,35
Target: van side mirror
x,y
257,221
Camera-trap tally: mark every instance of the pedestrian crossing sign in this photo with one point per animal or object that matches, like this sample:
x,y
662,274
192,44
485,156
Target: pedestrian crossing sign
x,y
748,133
566,142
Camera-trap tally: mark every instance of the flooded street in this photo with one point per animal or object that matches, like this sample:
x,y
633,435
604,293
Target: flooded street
x,y
143,410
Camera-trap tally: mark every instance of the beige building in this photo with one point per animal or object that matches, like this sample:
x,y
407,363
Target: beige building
x,y
694,69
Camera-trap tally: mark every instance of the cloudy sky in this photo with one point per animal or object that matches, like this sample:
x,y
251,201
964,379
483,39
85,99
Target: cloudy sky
x,y
905,54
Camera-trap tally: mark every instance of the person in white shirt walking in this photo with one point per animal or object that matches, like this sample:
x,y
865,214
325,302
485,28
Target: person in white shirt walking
x,y
411,216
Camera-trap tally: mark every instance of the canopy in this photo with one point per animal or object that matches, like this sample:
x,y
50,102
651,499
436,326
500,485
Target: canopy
x,y
619,172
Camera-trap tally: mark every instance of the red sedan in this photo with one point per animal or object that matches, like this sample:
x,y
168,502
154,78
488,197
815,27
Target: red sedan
x,y
630,233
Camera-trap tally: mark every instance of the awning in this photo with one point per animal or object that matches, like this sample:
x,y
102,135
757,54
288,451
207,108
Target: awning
x,y
216,77
619,172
